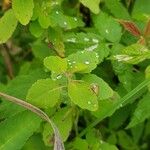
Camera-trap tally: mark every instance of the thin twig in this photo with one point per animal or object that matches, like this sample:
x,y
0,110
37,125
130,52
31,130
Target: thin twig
x,y
58,145
7,60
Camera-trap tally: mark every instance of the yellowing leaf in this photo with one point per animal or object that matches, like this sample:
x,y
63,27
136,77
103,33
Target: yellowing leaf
x,y
8,24
23,10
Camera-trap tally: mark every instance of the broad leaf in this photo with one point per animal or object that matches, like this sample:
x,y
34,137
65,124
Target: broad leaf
x,y
92,5
107,27
23,10
8,24
16,130
82,95
44,93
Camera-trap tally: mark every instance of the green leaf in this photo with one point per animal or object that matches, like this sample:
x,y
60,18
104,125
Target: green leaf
x,y
18,87
105,105
41,50
142,111
147,75
16,130
23,10
141,9
107,27
43,18
125,141
79,144
117,9
92,5
35,29
105,91
83,61
8,24
133,54
82,95
35,142
55,64
107,146
44,93
64,123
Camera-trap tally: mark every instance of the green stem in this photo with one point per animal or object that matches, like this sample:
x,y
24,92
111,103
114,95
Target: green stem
x,y
120,102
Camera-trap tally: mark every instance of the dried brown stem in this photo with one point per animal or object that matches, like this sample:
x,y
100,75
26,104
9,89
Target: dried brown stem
x,y
7,60
58,145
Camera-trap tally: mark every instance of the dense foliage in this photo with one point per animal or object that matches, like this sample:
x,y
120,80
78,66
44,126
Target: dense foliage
x,y
85,63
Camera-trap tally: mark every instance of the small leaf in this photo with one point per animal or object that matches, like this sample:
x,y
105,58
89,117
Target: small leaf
x,y
8,24
142,111
107,27
92,5
56,64
131,27
117,9
82,95
41,50
16,130
64,126
133,54
44,93
35,29
23,10
83,61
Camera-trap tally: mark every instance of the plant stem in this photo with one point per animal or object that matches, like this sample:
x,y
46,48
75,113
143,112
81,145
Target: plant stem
x,y
58,142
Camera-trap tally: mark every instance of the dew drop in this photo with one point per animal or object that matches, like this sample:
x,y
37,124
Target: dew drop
x,y
57,12
106,31
59,77
65,23
95,40
75,19
73,40
89,102
87,62
121,105
86,39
